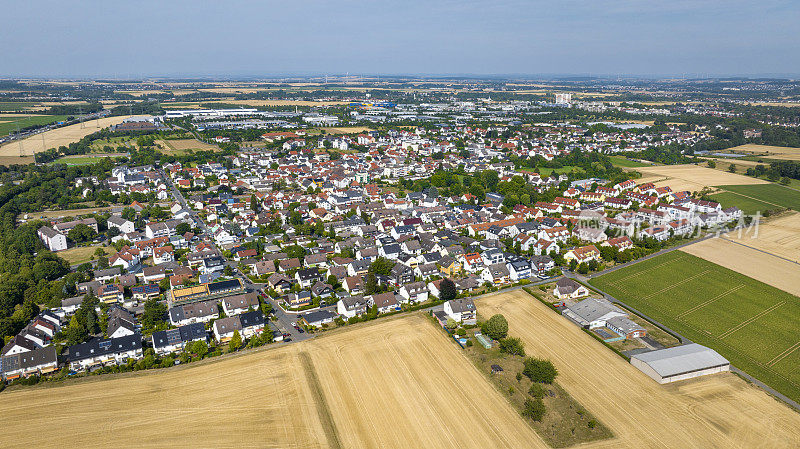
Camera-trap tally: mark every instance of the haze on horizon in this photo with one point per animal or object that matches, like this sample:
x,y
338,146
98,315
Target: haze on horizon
x,y
250,38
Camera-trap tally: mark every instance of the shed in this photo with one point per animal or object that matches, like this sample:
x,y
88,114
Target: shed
x,y
680,363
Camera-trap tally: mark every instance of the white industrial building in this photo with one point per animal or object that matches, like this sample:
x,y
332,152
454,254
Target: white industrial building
x,y
680,363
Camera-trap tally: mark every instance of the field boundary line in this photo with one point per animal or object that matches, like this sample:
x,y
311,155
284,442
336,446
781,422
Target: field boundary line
x,y
689,279
784,354
759,250
705,303
744,323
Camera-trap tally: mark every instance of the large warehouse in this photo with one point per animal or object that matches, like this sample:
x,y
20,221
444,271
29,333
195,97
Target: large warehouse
x,y
679,363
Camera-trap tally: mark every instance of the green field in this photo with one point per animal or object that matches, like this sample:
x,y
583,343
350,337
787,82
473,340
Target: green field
x,y
747,205
549,171
15,105
11,127
621,161
769,193
754,325
77,160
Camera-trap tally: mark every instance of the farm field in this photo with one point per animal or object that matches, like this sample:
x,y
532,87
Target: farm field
x,y
394,383
714,411
769,151
621,161
283,102
80,160
752,324
182,146
262,398
692,177
9,127
750,261
768,193
15,105
57,137
748,206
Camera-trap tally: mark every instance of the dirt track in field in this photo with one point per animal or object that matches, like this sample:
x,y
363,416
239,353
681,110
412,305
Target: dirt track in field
x,y
714,411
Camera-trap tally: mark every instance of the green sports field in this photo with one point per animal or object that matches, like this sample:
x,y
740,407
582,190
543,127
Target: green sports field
x,y
768,193
754,325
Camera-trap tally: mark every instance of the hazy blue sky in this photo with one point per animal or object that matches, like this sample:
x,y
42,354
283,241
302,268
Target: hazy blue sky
x,y
230,38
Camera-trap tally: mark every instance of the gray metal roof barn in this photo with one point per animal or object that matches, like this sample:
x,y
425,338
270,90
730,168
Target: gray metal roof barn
x,y
680,362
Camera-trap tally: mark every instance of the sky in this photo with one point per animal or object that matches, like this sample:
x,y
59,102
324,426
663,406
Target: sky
x,y
230,38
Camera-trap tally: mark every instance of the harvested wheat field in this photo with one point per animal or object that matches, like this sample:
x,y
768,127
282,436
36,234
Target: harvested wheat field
x,y
260,399
57,137
714,411
692,177
772,256
182,146
402,383
769,151
398,382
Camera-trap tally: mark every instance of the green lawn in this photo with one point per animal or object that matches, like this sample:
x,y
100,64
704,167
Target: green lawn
x,y
11,127
770,193
76,160
747,205
754,325
548,171
622,161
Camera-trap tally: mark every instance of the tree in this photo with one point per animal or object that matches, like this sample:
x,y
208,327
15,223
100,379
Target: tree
x,y
712,164
183,228
540,370
81,233
254,204
382,266
236,342
496,327
227,271
154,313
534,409
732,168
199,347
371,284
513,346
447,290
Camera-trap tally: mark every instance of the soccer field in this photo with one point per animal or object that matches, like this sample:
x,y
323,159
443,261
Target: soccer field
x,y
754,325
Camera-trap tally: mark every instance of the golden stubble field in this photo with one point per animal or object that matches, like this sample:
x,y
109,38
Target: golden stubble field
x,y
771,256
57,137
692,177
716,411
395,383
769,151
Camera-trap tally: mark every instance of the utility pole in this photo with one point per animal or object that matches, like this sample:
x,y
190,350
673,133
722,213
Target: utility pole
x,y
21,151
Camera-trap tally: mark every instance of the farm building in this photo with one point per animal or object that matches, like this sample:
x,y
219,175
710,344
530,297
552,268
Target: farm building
x,y
680,363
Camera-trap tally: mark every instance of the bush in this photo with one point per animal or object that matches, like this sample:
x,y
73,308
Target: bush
x,y
539,370
537,391
513,346
496,327
592,424
534,409
461,332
